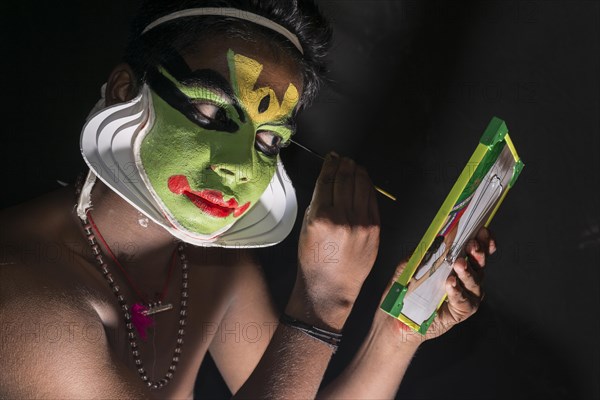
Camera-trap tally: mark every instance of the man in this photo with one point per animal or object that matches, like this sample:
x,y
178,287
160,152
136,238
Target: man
x,y
183,148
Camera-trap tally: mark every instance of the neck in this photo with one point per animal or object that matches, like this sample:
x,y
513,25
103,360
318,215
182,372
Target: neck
x,y
143,248
121,223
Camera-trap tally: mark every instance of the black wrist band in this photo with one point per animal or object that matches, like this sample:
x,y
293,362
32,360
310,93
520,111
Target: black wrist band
x,y
331,339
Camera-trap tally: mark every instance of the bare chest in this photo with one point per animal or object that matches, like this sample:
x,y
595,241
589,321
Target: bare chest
x,y
172,344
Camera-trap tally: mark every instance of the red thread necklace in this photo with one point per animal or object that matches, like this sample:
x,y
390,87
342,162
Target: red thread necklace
x,y
141,311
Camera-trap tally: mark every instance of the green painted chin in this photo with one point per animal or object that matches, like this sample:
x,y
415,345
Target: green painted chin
x,y
205,179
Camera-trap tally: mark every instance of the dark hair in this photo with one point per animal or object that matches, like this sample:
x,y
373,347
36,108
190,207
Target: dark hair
x,y
301,17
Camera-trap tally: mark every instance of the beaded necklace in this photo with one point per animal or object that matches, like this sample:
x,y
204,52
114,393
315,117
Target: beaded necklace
x,y
89,229
141,311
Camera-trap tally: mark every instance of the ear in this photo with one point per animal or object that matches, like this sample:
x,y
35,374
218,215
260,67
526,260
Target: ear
x,y
121,85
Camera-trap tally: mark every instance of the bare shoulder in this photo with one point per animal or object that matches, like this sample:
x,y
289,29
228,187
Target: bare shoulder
x,y
52,339
36,305
40,257
50,330
45,319
41,265
45,328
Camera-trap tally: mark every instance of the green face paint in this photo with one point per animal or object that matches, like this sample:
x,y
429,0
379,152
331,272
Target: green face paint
x,y
212,150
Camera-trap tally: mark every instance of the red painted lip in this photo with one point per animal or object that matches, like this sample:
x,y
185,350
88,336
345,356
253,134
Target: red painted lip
x,y
209,201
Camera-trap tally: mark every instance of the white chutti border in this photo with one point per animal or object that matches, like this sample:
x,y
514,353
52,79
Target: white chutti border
x,y
110,143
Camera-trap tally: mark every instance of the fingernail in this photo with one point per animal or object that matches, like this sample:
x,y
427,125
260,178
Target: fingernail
x,y
333,154
453,282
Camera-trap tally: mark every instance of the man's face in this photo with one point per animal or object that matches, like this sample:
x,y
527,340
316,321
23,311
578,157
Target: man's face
x,y
222,114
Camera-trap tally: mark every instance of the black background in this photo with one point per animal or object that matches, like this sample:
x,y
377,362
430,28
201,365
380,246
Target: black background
x,y
414,85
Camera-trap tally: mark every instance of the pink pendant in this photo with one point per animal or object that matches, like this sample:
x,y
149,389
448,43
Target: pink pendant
x,y
140,320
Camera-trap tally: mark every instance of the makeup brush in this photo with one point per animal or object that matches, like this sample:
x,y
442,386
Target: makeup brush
x,y
314,153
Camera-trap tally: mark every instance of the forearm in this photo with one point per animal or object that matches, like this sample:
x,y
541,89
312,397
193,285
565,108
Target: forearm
x,y
294,363
291,368
378,367
342,216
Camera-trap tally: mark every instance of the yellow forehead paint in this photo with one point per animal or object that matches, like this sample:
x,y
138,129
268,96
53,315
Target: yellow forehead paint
x,y
244,75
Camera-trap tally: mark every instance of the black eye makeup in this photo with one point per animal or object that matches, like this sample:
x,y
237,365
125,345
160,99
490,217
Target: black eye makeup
x,y
215,107
211,111
269,143
204,113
